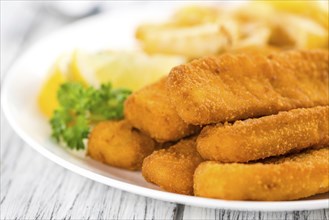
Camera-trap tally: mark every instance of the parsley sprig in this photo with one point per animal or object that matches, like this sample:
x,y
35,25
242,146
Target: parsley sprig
x,y
79,107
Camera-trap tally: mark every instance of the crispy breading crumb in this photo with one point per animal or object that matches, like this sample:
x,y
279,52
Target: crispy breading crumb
x,y
267,136
239,86
172,169
292,177
151,111
117,143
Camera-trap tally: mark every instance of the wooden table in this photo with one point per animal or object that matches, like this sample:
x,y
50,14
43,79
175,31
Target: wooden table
x,y
32,187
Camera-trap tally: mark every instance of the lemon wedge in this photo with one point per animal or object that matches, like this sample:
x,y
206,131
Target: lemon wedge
x,y
47,99
130,70
134,70
81,69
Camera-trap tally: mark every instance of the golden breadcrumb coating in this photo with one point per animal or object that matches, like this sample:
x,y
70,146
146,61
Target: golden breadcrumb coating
x,y
267,136
150,111
291,177
172,169
240,86
118,144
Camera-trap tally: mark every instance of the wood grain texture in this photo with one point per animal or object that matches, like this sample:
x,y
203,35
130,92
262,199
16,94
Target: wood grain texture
x,y
201,213
32,187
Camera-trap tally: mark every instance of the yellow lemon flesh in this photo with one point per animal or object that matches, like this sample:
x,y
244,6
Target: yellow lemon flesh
x,y
134,70
78,68
130,70
47,99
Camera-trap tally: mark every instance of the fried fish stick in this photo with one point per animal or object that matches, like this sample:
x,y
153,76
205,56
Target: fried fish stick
x,y
292,177
267,136
172,169
240,86
117,143
151,111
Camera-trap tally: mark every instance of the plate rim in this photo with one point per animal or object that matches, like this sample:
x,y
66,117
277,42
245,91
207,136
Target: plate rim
x,y
8,79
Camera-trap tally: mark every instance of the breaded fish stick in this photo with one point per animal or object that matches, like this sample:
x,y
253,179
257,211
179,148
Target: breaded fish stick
x,y
267,136
291,177
172,169
150,111
118,144
240,86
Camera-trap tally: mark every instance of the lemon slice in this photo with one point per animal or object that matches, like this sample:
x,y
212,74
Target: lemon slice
x,y
130,70
47,99
81,69
134,70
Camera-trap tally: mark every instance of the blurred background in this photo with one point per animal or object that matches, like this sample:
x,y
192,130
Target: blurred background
x,y
25,22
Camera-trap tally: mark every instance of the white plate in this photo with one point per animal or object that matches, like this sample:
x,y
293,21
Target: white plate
x,y
114,30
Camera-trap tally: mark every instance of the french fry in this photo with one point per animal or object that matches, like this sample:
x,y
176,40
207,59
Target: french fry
x,y
299,32
190,41
195,15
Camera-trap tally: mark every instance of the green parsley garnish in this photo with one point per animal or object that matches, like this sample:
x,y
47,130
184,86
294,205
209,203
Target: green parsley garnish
x,y
79,107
